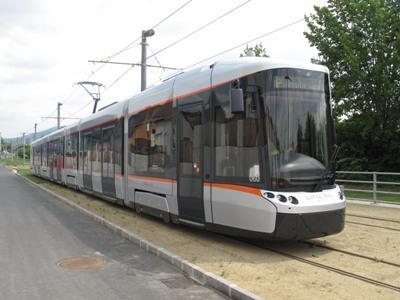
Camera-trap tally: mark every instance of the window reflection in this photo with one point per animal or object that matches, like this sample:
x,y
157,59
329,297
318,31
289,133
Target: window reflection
x,y
299,136
236,136
151,147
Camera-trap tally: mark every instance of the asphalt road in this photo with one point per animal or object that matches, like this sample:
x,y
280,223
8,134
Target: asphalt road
x,y
38,230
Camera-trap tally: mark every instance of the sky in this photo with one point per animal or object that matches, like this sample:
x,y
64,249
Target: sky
x,y
45,46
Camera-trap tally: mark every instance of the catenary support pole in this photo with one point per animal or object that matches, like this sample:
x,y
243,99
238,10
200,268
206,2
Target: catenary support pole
x,y
143,67
58,115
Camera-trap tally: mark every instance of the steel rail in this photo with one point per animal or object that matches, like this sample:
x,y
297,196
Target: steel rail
x,y
329,268
376,226
373,218
374,259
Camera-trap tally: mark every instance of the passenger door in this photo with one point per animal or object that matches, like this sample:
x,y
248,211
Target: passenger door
x,y
190,163
86,160
108,164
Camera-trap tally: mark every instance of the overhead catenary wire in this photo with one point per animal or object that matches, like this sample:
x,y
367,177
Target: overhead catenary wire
x,y
131,44
108,87
65,100
200,28
171,14
188,35
247,42
156,59
83,107
177,41
119,77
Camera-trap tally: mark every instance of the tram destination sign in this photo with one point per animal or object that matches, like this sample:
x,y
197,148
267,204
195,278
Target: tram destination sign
x,y
312,83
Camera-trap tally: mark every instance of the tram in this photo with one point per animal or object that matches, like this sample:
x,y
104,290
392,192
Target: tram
x,y
243,147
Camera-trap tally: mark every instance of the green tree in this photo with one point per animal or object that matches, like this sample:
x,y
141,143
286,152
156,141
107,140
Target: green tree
x,y
359,41
257,50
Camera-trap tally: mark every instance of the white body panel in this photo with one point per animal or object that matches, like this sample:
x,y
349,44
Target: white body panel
x,y
207,204
242,210
63,176
326,200
162,188
70,177
96,183
152,200
119,187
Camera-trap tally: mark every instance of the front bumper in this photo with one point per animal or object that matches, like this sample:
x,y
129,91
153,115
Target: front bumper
x,y
308,225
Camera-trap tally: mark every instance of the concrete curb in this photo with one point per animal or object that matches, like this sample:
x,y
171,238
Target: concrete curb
x,y
192,271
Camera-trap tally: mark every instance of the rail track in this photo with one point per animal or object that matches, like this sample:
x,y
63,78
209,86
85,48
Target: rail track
x,y
373,218
374,259
326,267
373,225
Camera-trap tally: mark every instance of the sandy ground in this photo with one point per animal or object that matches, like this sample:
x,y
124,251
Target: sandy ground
x,y
263,272
376,242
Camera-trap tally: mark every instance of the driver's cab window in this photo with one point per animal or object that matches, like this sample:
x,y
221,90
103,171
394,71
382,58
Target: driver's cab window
x,y
236,137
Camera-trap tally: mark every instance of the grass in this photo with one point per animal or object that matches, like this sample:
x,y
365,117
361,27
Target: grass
x,y
24,170
368,195
7,161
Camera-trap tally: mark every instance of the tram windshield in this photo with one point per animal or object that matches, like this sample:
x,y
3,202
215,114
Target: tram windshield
x,y
298,128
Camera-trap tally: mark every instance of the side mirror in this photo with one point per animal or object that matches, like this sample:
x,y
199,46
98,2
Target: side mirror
x,y
237,101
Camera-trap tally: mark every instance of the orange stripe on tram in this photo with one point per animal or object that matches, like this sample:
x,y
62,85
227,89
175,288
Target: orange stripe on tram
x,y
156,179
239,188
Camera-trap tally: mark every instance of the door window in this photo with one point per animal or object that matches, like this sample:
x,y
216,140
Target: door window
x,y
190,155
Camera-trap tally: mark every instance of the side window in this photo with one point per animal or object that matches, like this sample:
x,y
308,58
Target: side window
x,y
236,137
151,148
60,152
50,154
68,152
44,155
71,151
74,150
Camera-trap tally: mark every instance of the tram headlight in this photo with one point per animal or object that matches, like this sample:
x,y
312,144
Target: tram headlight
x,y
281,198
268,195
293,200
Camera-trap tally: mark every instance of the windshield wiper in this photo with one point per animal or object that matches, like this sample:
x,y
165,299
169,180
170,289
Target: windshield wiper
x,y
328,174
